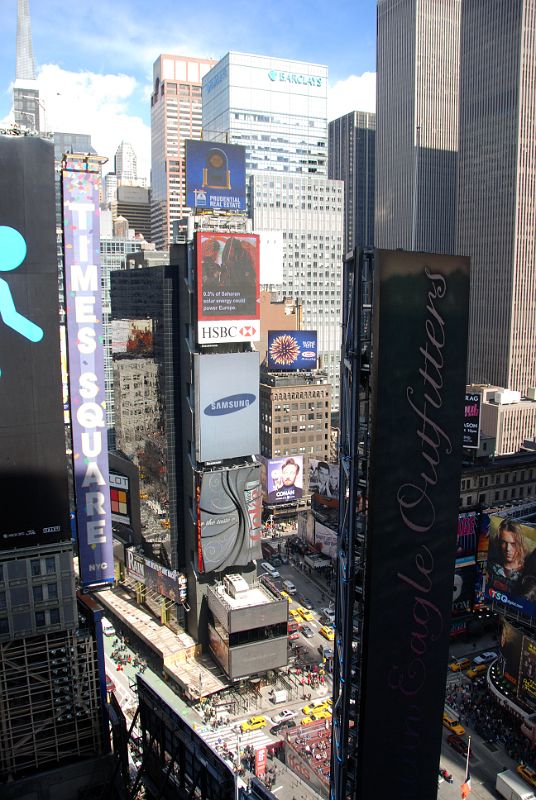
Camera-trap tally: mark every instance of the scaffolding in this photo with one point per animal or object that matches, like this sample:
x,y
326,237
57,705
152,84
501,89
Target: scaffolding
x,y
50,707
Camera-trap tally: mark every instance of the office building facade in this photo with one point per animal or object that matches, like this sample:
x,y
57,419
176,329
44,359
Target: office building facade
x,y
175,116
351,159
417,124
26,103
496,190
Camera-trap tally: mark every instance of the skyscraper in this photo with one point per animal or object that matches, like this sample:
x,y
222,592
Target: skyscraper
x,y
417,124
278,109
25,91
126,167
351,159
497,191
175,116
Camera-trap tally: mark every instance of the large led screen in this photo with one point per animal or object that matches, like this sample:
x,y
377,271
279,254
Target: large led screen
x,y
292,350
284,479
229,513
157,578
33,468
418,385
324,479
81,213
215,176
228,288
471,424
511,566
227,405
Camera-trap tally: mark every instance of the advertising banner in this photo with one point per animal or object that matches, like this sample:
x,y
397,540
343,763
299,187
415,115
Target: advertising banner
x,y
526,690
228,288
326,538
464,589
471,423
132,336
292,350
260,762
511,568
120,498
419,345
271,261
86,371
215,176
511,643
33,471
324,479
227,405
284,479
229,515
467,535
157,578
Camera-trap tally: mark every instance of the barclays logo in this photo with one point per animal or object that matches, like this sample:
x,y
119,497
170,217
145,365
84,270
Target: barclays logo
x,y
295,78
228,405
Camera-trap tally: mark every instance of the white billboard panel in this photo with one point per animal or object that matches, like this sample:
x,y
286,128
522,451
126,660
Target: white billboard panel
x,y
271,257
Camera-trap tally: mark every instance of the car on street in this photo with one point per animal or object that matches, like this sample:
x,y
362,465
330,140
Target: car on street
x,y
293,635
459,745
459,664
477,671
327,632
328,614
286,596
485,658
253,724
317,705
452,724
306,603
325,651
323,713
286,713
281,726
307,720
307,615
527,773
294,613
307,631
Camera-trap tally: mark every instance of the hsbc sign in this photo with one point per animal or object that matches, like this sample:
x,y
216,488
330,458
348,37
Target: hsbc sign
x,y
233,331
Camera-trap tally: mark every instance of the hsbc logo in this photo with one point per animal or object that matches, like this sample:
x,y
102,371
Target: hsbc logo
x,y
215,332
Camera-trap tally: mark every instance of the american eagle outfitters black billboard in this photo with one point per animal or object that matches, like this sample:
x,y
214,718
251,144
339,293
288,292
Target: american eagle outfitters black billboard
x,y
420,341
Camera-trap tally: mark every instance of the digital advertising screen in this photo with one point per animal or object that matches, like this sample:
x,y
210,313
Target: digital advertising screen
x,y
228,287
511,565
464,589
471,423
120,498
526,689
510,645
85,335
292,350
229,513
420,321
33,469
215,176
157,578
466,542
284,479
324,479
227,405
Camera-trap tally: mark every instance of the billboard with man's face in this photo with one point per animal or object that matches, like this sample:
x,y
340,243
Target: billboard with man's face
x,y
284,479
511,566
228,288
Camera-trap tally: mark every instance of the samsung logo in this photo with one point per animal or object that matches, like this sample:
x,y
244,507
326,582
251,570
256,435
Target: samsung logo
x,y
228,405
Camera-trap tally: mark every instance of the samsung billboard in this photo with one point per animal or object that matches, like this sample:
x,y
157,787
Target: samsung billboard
x,y
229,517
228,288
292,350
418,384
81,212
227,405
215,176
33,469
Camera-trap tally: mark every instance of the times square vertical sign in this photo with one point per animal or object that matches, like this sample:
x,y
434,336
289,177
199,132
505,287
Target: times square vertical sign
x,y
81,182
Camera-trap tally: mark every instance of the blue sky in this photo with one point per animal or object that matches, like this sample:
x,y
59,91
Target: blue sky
x,y
95,58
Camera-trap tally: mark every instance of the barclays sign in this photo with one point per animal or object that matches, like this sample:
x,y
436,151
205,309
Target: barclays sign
x,y
295,78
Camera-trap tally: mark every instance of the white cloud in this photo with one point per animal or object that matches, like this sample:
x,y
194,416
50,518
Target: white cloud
x,y
85,102
355,93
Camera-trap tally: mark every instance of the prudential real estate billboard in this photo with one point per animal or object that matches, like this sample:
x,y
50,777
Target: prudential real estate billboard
x,y
86,371
420,345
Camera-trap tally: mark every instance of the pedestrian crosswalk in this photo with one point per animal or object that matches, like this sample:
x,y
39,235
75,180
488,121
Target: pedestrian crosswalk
x,y
227,737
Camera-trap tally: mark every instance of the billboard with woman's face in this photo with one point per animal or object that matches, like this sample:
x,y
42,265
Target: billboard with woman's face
x,y
511,567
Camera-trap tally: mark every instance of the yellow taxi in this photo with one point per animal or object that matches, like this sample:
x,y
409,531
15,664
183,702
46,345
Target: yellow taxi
x,y
285,596
322,714
452,724
307,720
295,614
327,632
475,672
527,773
459,664
253,724
318,705
307,615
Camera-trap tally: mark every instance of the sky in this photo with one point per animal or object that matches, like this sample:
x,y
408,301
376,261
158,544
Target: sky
x,y
94,58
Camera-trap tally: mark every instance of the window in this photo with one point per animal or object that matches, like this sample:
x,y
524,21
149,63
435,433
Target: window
x,y
40,619
35,567
52,591
54,616
37,594
50,565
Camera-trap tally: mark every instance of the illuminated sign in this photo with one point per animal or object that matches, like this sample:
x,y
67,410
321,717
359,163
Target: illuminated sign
x,y
295,78
471,423
215,176
119,498
86,372
290,350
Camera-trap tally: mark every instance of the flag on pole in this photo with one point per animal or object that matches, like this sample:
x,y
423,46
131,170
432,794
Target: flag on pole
x,y
466,785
